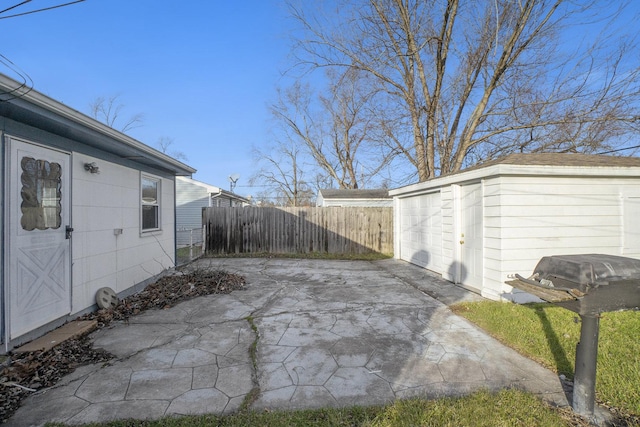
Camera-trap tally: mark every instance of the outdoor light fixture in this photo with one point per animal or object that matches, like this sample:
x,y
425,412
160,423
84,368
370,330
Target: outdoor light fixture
x,y
92,167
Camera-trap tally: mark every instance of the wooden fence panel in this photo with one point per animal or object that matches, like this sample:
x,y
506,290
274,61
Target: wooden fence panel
x,y
346,230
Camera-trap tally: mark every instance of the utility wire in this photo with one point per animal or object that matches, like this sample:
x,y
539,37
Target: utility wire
x,y
25,86
619,149
14,6
37,10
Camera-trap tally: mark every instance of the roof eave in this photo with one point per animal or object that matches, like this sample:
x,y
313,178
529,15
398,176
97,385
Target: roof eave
x,y
34,104
515,170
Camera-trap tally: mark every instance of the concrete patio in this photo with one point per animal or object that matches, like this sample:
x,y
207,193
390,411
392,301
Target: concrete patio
x,y
329,333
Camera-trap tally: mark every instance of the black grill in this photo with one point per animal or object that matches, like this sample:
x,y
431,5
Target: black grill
x,y
588,284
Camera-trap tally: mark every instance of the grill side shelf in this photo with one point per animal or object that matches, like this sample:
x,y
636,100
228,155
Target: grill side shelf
x,y
546,294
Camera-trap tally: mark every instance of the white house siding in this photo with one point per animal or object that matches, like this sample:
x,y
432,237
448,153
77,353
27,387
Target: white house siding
x,y
190,199
104,204
368,203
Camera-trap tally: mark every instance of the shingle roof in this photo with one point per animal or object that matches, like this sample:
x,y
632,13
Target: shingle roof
x,y
561,159
330,193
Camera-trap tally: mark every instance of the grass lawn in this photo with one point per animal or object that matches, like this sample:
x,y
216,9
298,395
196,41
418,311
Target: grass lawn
x,y
549,334
506,408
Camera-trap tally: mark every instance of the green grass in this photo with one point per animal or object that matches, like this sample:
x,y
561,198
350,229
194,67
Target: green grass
x,y
371,256
506,408
549,334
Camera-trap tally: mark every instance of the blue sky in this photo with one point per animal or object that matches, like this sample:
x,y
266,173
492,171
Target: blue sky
x,y
202,71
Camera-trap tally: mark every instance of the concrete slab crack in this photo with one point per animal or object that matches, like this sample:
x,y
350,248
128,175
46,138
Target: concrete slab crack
x,y
254,394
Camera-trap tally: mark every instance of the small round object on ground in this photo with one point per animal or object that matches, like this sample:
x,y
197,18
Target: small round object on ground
x,y
106,298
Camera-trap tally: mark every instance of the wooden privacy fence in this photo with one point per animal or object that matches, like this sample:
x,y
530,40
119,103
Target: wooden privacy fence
x,y
344,230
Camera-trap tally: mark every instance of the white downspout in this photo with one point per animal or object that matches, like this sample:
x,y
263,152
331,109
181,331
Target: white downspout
x,y
213,196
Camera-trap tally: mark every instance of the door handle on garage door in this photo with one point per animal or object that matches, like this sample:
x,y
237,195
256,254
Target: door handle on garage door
x,y
67,232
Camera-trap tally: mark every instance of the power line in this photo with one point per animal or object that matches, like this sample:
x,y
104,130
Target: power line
x,y
26,85
37,10
14,6
619,149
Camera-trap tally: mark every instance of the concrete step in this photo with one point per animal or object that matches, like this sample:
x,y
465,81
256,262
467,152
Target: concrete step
x,y
68,331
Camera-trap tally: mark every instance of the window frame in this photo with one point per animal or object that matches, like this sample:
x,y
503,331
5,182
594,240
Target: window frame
x,y
157,203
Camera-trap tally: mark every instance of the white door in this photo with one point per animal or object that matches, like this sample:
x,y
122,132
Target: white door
x,y
471,237
631,226
39,284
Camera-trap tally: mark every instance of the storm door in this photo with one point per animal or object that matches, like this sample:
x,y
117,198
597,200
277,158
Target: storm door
x,y
38,289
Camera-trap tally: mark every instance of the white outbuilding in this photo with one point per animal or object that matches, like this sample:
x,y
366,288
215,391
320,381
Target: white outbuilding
x,y
480,225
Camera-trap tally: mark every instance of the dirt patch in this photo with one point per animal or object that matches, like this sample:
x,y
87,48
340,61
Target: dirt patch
x,y
26,373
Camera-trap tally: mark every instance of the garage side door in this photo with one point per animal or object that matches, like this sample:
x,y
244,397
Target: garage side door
x,y
421,231
471,238
631,226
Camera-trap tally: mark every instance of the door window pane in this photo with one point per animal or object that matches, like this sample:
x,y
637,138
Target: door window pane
x,y
41,194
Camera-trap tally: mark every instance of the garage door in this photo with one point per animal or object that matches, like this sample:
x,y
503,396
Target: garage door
x,y
421,230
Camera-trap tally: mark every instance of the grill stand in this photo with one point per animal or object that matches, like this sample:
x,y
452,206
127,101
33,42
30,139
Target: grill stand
x,y
584,381
584,378
587,284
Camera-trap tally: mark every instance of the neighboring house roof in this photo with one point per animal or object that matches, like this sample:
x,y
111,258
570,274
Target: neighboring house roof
x,y
363,198
355,194
216,191
31,107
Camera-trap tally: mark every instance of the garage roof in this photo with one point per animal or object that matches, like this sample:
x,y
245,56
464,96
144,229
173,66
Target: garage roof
x,y
547,164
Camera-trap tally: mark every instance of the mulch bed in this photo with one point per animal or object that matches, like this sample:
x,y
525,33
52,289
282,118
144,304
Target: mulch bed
x,y
27,373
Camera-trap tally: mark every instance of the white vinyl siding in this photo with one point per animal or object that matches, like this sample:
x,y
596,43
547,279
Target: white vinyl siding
x,y
190,199
367,203
108,248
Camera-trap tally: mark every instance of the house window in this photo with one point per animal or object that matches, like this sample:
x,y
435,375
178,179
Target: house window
x,y
150,203
41,194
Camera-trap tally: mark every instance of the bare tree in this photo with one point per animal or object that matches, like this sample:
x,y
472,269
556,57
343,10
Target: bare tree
x,y
336,127
282,176
469,81
108,111
164,144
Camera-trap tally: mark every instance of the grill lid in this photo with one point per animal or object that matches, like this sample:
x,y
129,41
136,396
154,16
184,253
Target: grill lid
x,y
586,271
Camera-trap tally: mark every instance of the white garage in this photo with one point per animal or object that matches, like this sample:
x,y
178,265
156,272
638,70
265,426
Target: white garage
x,y
478,226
